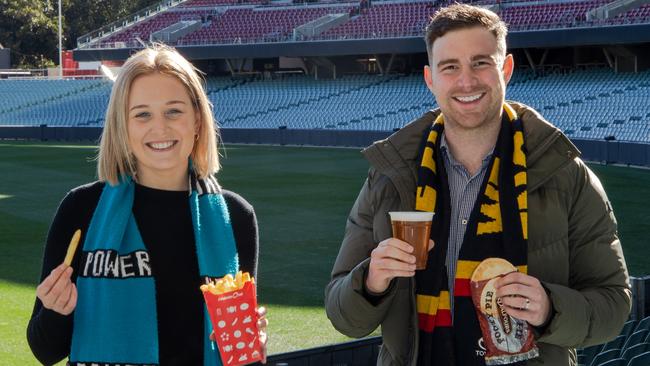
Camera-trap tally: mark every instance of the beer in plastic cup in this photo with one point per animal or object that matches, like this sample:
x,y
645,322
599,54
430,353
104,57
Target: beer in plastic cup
x,y
413,227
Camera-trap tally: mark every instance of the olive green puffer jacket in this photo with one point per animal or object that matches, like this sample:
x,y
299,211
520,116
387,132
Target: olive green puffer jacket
x,y
573,248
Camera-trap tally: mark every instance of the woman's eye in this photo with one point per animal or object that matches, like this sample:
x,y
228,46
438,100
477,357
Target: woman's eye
x,y
142,115
174,112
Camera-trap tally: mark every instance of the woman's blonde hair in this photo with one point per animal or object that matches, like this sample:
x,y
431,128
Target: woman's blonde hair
x,y
115,160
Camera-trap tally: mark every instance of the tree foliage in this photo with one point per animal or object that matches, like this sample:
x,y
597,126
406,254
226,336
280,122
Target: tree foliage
x,y
30,27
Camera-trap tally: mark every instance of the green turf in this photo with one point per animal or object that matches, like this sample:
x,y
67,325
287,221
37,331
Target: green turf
x,y
629,191
301,196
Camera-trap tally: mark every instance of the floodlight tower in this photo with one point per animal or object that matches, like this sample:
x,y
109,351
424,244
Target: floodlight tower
x,y
60,45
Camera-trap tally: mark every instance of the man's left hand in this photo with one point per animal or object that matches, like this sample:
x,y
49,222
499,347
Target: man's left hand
x,y
524,298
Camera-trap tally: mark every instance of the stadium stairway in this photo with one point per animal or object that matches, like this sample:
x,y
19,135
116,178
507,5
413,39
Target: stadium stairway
x,y
213,87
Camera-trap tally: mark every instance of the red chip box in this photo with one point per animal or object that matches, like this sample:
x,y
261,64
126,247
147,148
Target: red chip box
x,y
234,320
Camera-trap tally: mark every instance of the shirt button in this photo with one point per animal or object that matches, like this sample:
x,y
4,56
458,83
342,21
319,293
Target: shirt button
x,y
464,221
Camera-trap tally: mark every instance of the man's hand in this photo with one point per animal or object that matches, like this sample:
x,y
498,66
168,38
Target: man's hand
x,y
524,298
391,258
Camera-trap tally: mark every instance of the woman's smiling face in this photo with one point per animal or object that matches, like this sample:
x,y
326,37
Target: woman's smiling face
x,y
162,124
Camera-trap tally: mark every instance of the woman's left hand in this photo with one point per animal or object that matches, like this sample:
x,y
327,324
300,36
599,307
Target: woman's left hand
x,y
262,323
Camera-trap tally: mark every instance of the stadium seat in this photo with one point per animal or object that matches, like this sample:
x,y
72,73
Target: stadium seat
x,y
635,350
635,338
640,360
358,102
643,324
583,359
248,21
628,327
616,343
614,362
605,356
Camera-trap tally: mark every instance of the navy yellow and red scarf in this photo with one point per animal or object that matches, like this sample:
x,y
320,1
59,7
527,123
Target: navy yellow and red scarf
x,y
498,227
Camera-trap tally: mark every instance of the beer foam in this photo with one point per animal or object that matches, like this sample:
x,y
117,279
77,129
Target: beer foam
x,y
412,216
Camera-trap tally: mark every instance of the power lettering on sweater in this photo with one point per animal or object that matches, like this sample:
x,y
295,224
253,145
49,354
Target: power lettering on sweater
x,y
110,264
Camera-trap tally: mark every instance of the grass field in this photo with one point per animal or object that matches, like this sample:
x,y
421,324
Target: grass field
x,y
301,196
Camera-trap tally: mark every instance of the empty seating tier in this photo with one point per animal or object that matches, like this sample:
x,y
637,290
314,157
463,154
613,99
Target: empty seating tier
x,y
589,104
243,21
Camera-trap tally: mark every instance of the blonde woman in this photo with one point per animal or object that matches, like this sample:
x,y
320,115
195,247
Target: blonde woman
x,y
155,225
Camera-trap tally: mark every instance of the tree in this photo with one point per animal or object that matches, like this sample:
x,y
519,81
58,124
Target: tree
x,y
86,16
30,27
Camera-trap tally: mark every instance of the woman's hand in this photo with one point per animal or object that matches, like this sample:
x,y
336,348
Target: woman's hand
x,y
57,292
262,323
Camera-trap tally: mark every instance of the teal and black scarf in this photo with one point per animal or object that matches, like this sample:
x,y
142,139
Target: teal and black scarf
x,y
498,227
115,320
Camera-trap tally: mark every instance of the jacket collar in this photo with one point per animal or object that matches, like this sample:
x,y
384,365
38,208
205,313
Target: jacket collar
x,y
548,148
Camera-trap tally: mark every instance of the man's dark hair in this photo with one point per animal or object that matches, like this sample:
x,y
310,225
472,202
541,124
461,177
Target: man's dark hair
x,y
463,16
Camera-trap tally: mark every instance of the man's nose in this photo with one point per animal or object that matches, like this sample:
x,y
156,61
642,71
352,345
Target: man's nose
x,y
467,79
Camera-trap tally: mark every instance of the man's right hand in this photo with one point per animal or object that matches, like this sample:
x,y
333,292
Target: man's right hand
x,y
391,258
57,292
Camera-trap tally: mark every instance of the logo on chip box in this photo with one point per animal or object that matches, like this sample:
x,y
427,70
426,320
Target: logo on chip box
x,y
234,295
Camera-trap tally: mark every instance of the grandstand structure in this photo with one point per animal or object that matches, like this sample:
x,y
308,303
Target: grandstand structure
x,y
257,21
341,66
586,104
340,72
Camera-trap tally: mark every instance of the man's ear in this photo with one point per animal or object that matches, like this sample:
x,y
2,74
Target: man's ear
x,y
428,74
508,67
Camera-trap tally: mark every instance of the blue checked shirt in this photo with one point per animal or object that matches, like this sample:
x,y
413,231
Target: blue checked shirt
x,y
464,190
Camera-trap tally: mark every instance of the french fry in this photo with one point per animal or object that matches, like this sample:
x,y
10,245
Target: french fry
x,y
238,280
228,283
72,247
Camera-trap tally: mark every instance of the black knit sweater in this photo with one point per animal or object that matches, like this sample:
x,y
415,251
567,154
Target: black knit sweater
x,y
165,223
